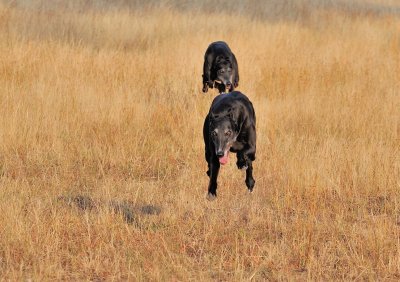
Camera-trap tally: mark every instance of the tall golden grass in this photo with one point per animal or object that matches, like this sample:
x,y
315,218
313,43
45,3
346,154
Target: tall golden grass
x,y
104,103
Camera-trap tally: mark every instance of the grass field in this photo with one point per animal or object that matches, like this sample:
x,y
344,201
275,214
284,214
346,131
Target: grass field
x,y
102,170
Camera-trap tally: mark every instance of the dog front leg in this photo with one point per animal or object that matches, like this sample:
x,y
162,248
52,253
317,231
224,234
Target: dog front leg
x,y
250,182
207,73
236,72
205,85
244,161
212,187
241,160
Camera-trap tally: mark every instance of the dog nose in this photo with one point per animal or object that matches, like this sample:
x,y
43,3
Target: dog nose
x,y
228,84
220,154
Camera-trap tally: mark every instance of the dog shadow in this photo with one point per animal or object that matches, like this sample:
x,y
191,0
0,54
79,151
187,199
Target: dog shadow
x,y
127,209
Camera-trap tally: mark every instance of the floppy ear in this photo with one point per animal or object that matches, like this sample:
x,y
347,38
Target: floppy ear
x,y
211,118
236,118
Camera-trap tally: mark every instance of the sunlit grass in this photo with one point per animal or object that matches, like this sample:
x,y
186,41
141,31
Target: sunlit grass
x,y
107,104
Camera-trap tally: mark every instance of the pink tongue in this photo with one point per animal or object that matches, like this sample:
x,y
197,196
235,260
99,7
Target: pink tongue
x,y
224,160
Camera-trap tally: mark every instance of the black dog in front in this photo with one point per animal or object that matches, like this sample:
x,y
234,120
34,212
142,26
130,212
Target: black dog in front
x,y
220,66
230,126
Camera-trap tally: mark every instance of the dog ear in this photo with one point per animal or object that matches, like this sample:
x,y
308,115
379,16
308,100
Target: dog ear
x,y
236,119
232,115
211,117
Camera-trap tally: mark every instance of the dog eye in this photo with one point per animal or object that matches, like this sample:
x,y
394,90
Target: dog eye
x,y
228,133
214,133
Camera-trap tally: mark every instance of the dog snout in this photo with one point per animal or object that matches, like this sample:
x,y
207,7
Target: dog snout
x,y
220,154
228,84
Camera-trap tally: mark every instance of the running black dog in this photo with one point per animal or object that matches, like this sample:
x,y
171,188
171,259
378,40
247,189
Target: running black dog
x,y
220,67
230,126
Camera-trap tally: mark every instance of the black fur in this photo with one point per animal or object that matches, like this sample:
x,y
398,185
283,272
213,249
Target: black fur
x,y
230,125
220,67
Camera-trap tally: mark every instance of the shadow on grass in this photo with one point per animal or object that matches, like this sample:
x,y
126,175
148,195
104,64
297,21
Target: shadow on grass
x,y
129,210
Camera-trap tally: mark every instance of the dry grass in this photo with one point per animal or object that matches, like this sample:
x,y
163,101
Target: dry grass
x,y
104,104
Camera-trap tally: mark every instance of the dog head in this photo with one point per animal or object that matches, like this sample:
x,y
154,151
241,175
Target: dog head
x,y
224,73
224,130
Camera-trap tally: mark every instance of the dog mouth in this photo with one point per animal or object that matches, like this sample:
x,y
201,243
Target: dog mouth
x,y
227,86
224,159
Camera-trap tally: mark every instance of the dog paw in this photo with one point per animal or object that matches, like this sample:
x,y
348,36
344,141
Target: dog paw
x,y
211,196
250,182
242,164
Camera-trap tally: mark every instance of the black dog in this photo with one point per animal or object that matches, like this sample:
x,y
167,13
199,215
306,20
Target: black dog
x,y
220,66
230,126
